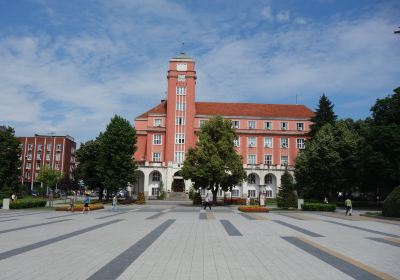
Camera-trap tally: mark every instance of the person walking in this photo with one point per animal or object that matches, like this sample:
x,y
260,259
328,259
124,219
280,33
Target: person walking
x,y
86,203
51,198
207,201
349,206
114,202
72,202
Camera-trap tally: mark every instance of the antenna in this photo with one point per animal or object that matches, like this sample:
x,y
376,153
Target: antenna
x,y
183,47
296,99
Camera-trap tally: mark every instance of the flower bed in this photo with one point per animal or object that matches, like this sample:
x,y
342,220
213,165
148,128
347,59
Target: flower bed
x,y
80,207
253,209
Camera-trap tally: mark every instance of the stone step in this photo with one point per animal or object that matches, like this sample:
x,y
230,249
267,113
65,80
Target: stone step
x,y
179,196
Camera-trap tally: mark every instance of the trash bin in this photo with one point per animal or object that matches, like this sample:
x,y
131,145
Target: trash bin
x,y
6,203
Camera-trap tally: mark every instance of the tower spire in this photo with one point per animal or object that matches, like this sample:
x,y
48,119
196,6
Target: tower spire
x,y
183,47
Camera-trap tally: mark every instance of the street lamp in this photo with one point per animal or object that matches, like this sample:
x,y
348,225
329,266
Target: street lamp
x,y
397,31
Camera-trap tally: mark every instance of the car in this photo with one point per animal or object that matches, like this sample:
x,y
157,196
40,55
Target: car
x,y
122,193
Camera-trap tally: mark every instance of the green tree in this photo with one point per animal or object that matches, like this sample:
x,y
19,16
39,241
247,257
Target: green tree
x,y
386,111
9,162
88,158
49,178
213,163
286,197
323,115
116,163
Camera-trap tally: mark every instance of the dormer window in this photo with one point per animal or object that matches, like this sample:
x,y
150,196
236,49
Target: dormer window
x,y
157,122
284,125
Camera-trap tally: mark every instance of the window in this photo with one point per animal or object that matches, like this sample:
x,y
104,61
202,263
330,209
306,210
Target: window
x,y
28,165
180,120
251,141
48,165
58,147
57,166
251,179
156,177
251,193
155,192
47,156
179,157
180,106
27,175
157,139
29,156
267,142
180,90
300,126
284,125
179,138
40,147
268,125
58,157
268,179
157,157
251,159
268,159
202,123
236,124
30,147
269,193
38,157
236,142
157,122
252,124
284,143
181,66
37,166
300,143
220,192
284,160
181,78
49,147
235,193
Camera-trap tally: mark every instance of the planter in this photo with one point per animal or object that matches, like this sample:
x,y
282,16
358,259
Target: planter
x,y
253,209
78,208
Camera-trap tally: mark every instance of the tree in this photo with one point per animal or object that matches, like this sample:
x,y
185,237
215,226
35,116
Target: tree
x,y
116,163
323,115
286,197
9,162
49,177
387,111
213,163
88,158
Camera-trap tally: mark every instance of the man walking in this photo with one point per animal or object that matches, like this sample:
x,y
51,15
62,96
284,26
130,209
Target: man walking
x,y
86,203
348,205
207,201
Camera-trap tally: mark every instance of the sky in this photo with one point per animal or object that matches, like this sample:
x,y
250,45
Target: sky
x,y
67,67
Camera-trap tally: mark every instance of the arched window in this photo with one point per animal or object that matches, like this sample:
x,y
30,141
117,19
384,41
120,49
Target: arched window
x,y
268,179
251,179
156,177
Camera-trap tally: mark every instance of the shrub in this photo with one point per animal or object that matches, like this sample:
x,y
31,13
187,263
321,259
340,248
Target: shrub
x,y
191,193
286,197
27,203
80,207
391,205
253,209
318,207
197,200
140,198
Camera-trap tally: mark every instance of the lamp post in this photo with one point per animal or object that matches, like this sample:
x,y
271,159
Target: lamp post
x,y
397,31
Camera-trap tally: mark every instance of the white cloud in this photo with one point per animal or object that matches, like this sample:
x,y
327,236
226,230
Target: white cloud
x,y
266,13
283,16
300,20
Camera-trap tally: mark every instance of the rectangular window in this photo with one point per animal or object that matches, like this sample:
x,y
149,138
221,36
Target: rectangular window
x,y
30,147
251,159
157,122
251,193
251,141
49,147
180,90
181,78
28,165
58,156
180,120
235,193
268,125
300,143
29,156
269,194
40,147
38,157
155,191
284,143
202,123
236,142
268,159
157,157
157,139
267,142
252,124
181,66
57,166
47,156
58,147
180,106
179,157
284,160
236,124
300,126
179,138
37,166
284,125
27,175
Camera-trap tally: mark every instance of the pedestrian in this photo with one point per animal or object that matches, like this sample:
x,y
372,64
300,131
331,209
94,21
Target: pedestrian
x,y
86,203
114,202
248,200
207,201
72,202
326,200
349,207
51,198
13,197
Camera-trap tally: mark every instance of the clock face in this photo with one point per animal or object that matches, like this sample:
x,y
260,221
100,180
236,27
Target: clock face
x,y
181,66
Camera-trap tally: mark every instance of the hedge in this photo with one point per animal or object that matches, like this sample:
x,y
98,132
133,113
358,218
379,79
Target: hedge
x,y
318,207
391,205
20,204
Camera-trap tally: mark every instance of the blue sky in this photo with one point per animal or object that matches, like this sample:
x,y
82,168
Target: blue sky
x,y
69,66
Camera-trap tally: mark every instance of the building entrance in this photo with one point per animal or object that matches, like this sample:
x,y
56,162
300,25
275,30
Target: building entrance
x,y
178,185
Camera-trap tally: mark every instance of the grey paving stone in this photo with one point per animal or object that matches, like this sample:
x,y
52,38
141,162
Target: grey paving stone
x,y
32,226
230,228
385,241
364,229
299,229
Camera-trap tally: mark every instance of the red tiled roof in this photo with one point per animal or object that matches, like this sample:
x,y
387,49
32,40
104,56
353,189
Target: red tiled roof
x,y
242,109
253,110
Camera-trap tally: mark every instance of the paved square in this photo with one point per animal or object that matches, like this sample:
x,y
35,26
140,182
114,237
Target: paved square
x,y
183,242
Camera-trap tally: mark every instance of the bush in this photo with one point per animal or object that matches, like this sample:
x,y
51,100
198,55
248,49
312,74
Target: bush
x,y
362,204
391,205
191,193
140,198
286,197
197,200
318,207
27,203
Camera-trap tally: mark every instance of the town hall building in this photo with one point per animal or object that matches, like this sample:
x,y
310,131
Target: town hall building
x,y
269,136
